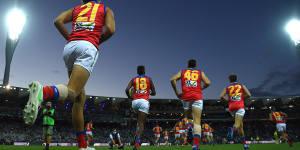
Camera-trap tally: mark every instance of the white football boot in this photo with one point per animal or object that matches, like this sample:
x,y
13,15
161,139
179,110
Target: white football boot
x,y
87,148
32,107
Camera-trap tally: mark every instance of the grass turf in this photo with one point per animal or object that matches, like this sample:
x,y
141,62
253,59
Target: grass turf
x,y
202,147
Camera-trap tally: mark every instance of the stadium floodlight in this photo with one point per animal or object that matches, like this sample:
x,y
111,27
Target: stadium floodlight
x,y
7,87
15,21
293,28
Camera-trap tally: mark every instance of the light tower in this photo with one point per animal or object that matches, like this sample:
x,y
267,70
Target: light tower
x,y
15,23
293,28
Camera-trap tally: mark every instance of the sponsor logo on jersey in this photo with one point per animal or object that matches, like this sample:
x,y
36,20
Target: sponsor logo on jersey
x,y
84,26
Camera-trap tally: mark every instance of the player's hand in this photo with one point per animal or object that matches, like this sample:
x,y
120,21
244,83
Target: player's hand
x,y
179,95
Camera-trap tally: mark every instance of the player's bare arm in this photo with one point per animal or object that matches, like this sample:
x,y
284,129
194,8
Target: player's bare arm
x,y
153,92
222,96
120,141
61,20
247,92
205,80
173,80
128,88
270,117
110,27
284,115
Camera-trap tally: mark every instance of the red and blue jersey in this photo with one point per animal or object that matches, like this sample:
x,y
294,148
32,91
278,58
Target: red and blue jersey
x,y
277,117
235,94
206,127
189,126
89,127
191,85
141,87
88,22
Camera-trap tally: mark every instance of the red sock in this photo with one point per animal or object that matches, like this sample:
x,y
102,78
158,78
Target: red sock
x,y
196,140
47,93
137,144
81,141
234,129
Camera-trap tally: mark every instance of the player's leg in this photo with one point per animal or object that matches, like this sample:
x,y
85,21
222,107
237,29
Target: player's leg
x,y
140,127
197,111
240,129
282,131
48,141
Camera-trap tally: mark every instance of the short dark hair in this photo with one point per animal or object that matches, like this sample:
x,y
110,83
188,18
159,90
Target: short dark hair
x,y
232,78
192,63
141,70
86,1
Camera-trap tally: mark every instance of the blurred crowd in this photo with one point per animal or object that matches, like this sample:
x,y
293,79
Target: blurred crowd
x,y
14,130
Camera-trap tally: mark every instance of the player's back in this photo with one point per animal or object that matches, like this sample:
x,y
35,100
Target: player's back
x,y
157,130
206,127
277,117
235,94
166,133
191,84
89,127
88,22
141,85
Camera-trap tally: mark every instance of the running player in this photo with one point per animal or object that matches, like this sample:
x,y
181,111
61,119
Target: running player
x,y
279,118
184,122
211,137
157,129
237,93
181,131
205,128
142,87
191,81
80,55
89,133
166,137
177,134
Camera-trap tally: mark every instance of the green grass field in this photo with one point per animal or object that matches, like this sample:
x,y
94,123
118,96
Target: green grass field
x,y
216,147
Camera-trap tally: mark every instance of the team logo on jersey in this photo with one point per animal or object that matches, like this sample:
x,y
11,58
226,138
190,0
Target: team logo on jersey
x,y
190,83
84,26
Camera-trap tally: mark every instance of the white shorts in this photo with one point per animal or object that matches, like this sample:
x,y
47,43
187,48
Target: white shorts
x,y
157,135
177,136
188,105
82,53
240,112
166,138
140,105
206,133
181,131
89,133
281,127
210,134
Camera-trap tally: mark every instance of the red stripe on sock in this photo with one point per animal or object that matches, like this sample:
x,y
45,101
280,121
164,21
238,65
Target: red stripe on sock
x,y
48,93
137,145
196,141
81,141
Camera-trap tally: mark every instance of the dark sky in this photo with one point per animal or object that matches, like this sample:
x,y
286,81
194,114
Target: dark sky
x,y
243,37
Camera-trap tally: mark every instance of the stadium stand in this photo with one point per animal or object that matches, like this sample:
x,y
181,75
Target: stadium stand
x,y
112,112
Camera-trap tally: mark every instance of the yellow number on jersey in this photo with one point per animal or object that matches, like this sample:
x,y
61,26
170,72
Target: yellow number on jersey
x,y
141,84
88,7
191,75
277,115
237,91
